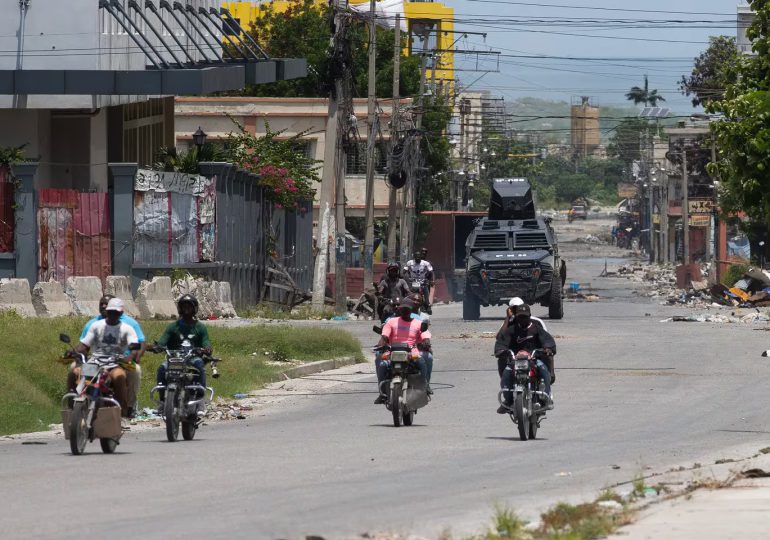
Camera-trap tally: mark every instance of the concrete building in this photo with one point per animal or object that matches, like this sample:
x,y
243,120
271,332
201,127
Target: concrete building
x,y
89,81
290,116
85,83
744,20
465,137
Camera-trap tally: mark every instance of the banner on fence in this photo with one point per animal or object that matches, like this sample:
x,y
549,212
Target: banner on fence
x,y
174,218
175,182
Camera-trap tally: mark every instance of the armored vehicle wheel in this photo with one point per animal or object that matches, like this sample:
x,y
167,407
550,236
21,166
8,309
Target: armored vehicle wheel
x,y
555,304
471,306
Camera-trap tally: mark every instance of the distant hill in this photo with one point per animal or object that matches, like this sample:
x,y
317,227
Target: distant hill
x,y
551,119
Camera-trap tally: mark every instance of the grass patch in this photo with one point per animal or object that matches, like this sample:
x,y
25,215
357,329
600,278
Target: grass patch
x,y
32,381
301,313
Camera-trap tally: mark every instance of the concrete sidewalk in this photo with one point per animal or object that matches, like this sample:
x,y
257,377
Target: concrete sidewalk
x,y
740,510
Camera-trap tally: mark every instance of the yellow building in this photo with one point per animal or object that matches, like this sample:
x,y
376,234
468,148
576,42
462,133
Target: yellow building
x,y
433,20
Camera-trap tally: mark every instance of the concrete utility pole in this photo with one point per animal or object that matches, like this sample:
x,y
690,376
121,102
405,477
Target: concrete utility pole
x,y
408,215
685,205
394,129
325,228
371,146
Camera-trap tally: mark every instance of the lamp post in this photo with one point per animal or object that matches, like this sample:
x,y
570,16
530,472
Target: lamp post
x,y
199,138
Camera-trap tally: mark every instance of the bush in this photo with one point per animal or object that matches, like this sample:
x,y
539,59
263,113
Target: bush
x,y
734,273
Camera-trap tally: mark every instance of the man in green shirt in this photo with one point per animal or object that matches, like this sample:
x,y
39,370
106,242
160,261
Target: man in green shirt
x,y
186,332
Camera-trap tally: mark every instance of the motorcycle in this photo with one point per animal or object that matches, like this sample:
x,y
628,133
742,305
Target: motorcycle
x,y
530,401
407,390
184,397
91,412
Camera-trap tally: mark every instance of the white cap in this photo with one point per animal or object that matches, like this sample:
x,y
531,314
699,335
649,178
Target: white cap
x,y
516,301
115,304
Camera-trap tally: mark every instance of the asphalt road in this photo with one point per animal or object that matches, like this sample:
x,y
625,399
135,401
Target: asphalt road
x,y
631,392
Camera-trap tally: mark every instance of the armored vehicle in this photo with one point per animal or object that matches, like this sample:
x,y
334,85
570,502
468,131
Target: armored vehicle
x,y
512,252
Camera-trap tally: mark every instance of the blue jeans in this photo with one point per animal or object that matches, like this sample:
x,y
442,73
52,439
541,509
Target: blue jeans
x,y
424,364
197,363
506,381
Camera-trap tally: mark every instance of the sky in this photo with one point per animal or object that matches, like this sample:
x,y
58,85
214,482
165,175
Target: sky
x,y
617,62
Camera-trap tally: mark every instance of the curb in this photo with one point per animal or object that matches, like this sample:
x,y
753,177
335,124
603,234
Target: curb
x,y
317,367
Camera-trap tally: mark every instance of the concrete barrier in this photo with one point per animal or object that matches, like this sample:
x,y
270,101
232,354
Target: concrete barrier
x,y
85,293
214,298
224,299
155,300
120,286
15,296
49,300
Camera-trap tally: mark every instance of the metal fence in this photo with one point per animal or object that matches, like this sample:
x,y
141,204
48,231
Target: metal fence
x,y
247,228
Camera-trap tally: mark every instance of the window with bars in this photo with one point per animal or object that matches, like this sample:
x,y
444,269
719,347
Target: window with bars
x,y
356,159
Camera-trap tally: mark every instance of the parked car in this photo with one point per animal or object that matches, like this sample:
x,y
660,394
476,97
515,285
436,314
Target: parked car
x,y
578,211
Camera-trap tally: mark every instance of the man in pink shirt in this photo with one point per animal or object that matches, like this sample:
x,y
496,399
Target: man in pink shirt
x,y
403,329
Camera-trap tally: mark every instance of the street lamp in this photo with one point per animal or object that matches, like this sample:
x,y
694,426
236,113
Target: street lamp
x,y
199,138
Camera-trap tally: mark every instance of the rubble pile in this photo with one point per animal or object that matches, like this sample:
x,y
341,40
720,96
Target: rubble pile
x,y
745,297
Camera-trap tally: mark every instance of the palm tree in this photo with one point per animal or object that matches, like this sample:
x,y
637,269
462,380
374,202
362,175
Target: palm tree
x,y
644,95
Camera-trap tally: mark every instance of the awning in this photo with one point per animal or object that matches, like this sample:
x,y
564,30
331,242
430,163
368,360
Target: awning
x,y
195,81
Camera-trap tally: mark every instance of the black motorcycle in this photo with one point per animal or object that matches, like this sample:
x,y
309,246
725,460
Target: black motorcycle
x,y
530,401
185,400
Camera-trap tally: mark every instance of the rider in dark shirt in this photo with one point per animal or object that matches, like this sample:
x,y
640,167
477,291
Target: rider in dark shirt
x,y
524,335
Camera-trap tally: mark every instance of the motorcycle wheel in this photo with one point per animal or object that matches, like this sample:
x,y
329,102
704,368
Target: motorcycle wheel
x,y
188,430
172,416
408,418
395,404
108,445
78,428
533,427
522,421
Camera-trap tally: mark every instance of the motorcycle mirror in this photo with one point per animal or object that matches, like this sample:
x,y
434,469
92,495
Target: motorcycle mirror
x,y
377,330
64,338
134,346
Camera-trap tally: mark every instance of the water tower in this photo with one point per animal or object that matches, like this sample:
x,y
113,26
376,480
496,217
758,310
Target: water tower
x,y
586,136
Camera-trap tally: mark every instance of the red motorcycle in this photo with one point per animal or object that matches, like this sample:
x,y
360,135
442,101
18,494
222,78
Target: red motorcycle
x,y
530,401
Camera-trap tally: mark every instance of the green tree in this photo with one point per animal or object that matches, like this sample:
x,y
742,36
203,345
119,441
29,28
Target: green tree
x,y
644,95
712,71
304,30
743,136
433,184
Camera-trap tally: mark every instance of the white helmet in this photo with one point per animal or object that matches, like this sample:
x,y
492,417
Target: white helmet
x,y
515,302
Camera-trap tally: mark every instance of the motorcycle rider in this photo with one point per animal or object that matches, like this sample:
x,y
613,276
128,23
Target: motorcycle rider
x,y
391,287
420,270
186,331
511,312
524,335
109,336
133,376
403,329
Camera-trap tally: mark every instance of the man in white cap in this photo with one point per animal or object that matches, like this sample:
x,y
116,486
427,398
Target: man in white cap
x,y
109,336
511,313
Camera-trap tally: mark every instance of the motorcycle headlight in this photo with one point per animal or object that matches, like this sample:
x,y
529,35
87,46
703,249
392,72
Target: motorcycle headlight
x,y
521,365
536,273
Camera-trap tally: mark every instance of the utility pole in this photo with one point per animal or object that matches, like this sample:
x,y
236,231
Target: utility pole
x,y
685,204
408,214
370,151
326,227
394,130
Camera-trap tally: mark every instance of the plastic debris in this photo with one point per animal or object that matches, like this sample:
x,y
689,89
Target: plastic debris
x,y
610,505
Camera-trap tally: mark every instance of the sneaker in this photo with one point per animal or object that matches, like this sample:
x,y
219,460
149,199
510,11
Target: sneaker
x,y
502,409
429,390
380,399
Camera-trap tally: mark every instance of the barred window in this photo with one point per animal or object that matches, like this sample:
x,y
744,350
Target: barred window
x,y
356,159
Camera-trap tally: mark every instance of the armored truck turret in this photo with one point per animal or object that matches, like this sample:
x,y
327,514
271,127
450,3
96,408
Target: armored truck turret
x,y
512,252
